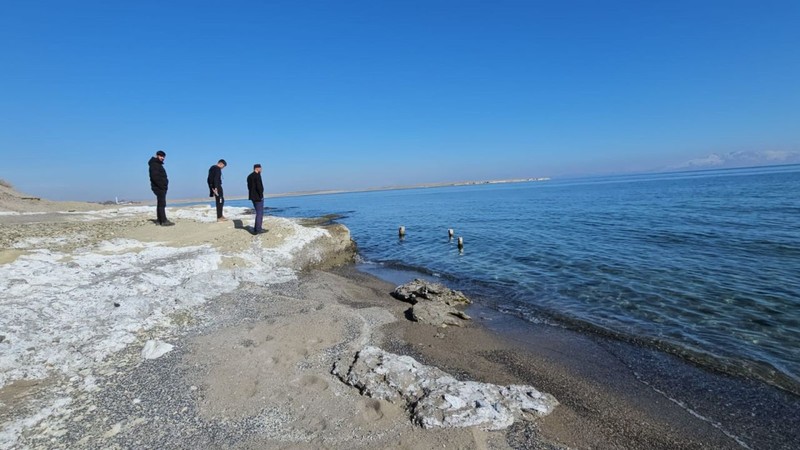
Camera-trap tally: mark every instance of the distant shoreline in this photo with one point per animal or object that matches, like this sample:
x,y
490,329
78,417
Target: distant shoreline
x,y
413,186
372,189
463,183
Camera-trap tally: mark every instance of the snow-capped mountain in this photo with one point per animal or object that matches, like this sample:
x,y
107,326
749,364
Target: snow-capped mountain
x,y
741,159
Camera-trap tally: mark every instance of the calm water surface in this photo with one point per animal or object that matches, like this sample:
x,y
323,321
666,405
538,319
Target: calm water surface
x,y
703,264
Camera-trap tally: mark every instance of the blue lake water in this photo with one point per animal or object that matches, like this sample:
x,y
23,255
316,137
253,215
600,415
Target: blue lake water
x,y
705,265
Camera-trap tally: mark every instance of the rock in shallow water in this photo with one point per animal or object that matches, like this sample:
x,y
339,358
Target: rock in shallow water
x,y
418,290
434,303
437,399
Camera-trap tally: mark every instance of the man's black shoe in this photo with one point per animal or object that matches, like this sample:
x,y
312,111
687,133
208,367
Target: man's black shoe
x,y
167,224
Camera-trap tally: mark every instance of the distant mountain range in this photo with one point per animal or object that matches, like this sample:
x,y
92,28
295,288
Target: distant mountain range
x,y
740,159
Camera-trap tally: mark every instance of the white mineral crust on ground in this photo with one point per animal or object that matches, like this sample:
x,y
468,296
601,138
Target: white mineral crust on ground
x,y
154,349
436,398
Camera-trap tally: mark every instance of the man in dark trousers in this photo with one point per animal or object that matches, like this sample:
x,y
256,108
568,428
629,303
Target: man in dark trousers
x,y
255,189
159,183
215,187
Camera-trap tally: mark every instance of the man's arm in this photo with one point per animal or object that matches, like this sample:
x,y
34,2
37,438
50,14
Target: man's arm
x,y
217,178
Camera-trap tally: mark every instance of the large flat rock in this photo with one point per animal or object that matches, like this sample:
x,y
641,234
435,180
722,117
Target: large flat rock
x,y
436,399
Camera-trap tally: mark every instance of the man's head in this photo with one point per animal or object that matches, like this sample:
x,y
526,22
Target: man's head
x,y
161,155
257,168
221,163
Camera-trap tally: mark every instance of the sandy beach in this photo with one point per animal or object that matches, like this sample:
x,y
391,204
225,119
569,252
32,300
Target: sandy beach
x,y
117,333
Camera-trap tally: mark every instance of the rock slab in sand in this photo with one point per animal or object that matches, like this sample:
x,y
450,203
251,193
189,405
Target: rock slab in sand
x,y
434,303
437,314
437,399
155,349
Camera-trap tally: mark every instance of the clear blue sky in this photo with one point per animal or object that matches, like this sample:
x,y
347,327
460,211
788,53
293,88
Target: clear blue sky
x,y
351,94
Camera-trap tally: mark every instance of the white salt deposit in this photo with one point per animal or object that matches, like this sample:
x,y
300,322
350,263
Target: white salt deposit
x,y
122,245
208,213
62,313
154,349
15,213
66,311
199,213
111,213
11,430
37,242
435,398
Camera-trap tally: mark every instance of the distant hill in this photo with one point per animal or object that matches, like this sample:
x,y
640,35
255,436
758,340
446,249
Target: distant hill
x,y
740,159
12,200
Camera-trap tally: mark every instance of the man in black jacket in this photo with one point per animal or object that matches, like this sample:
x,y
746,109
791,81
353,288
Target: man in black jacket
x,y
255,189
159,183
215,187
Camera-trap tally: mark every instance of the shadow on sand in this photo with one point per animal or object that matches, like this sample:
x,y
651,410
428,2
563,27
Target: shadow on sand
x,y
239,225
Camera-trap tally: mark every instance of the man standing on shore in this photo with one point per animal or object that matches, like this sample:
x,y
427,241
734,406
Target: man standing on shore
x,y
215,187
159,183
255,189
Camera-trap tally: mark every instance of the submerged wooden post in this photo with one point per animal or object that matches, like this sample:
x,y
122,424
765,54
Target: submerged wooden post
x,y
402,231
460,243
450,233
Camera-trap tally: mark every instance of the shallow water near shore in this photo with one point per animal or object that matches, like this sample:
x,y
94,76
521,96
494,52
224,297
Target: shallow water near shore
x,y
705,265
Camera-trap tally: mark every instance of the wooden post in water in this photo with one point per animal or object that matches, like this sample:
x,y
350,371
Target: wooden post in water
x,y
450,233
401,232
460,243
